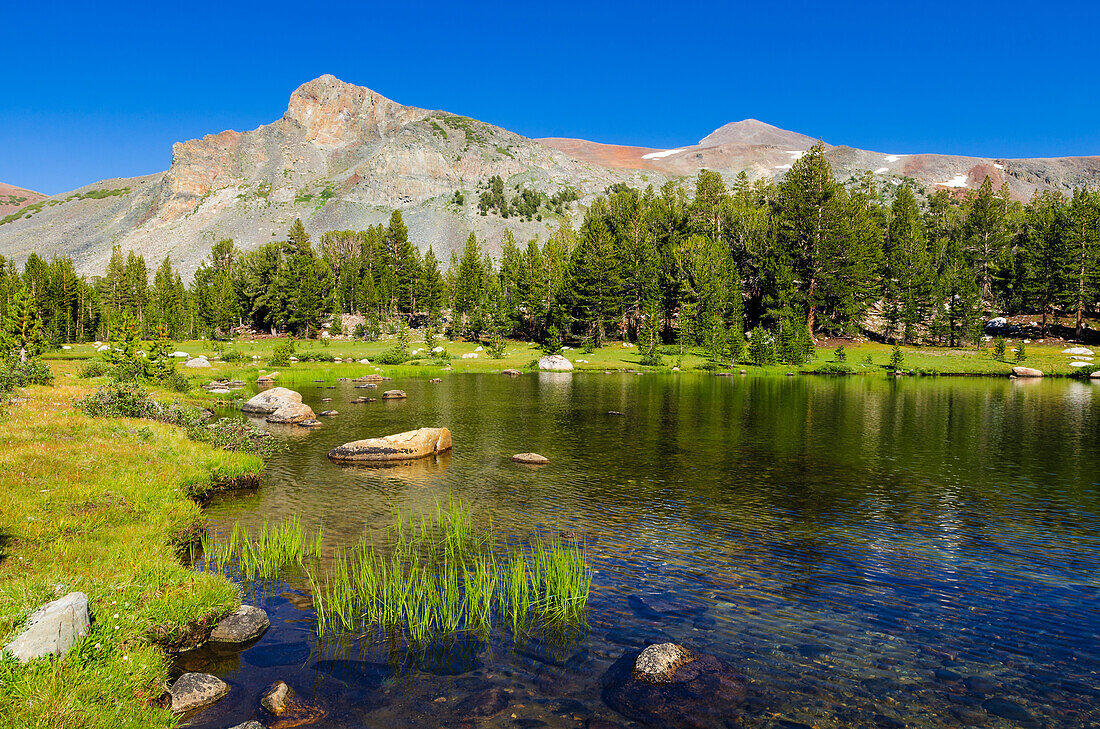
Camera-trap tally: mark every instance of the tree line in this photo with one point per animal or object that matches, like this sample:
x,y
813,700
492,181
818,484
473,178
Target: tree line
x,y
797,259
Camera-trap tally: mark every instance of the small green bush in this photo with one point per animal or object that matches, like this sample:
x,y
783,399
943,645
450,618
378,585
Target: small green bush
x,y
314,356
280,355
392,356
118,399
232,355
840,353
176,382
93,368
835,368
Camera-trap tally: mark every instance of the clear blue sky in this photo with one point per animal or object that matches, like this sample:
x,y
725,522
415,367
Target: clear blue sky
x,y
98,90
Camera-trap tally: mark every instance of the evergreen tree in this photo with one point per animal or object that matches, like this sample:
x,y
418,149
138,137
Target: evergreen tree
x,y
21,337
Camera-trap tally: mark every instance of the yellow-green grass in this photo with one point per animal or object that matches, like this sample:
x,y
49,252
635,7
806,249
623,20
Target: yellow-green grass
x,y
966,360
103,507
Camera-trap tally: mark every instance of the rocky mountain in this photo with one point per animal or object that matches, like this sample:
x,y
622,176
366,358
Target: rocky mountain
x,y
343,157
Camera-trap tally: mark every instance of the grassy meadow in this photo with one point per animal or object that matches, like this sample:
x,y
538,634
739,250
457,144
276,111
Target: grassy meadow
x,y
102,506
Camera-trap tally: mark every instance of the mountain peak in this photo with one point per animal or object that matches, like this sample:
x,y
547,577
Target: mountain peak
x,y
753,131
328,109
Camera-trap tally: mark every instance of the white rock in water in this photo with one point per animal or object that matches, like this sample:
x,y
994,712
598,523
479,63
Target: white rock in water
x,y
271,400
555,363
1078,350
658,663
53,628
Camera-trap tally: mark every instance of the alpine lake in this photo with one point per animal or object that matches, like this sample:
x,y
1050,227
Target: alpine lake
x,y
864,551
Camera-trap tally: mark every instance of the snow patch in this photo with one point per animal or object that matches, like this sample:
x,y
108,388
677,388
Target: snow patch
x,y
782,167
1000,167
894,157
881,170
662,153
796,153
956,181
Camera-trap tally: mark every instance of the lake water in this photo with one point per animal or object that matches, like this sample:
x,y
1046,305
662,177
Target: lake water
x,y
867,552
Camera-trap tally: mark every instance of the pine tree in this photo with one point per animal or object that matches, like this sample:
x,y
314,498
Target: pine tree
x,y
1081,266
21,337
594,280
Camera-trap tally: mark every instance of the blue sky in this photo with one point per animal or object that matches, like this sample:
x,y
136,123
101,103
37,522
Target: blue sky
x,y
98,90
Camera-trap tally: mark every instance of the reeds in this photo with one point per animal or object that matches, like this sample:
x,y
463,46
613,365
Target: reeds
x,y
443,577
261,557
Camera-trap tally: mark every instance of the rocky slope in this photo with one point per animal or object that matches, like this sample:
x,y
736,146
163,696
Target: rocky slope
x,y
14,198
343,157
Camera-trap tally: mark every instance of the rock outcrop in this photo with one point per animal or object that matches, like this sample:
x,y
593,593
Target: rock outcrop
x,y
53,629
399,447
271,400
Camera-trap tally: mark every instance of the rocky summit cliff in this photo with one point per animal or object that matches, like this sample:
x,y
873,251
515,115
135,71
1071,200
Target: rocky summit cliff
x,y
343,157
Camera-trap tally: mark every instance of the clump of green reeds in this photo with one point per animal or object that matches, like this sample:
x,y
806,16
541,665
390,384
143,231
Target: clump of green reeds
x,y
260,557
443,576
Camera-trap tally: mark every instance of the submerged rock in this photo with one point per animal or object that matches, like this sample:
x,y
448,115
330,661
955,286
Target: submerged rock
x,y
1026,372
242,625
280,701
511,373
311,423
291,413
533,459
52,628
657,663
328,413
483,704
271,400
702,692
276,697
195,690
555,363
399,447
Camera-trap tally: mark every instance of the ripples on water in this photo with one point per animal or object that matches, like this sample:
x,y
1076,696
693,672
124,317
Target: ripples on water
x,y
865,551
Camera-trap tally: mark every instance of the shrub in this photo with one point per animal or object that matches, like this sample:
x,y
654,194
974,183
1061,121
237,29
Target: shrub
x,y
495,346
999,348
840,354
761,347
314,356
118,399
280,355
14,373
93,368
897,358
1021,353
392,356
176,382
234,435
835,368
232,355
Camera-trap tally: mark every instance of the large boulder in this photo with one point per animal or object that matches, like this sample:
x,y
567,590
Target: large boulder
x,y
198,362
244,624
1026,372
291,413
194,690
271,400
1078,350
1095,375
53,628
399,447
669,685
555,363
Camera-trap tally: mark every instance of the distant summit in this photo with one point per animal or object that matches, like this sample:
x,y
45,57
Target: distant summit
x,y
14,198
751,131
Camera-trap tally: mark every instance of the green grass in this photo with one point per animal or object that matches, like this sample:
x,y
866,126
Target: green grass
x,y
613,356
29,210
443,577
106,507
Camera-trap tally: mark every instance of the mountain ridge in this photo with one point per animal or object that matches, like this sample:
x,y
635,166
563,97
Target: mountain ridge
x,y
343,157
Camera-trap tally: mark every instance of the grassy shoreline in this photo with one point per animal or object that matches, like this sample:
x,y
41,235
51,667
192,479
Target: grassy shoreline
x,y
102,506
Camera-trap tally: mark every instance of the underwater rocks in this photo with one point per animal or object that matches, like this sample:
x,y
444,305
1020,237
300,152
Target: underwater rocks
x,y
269,401
400,447
280,701
511,373
244,624
195,690
701,692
